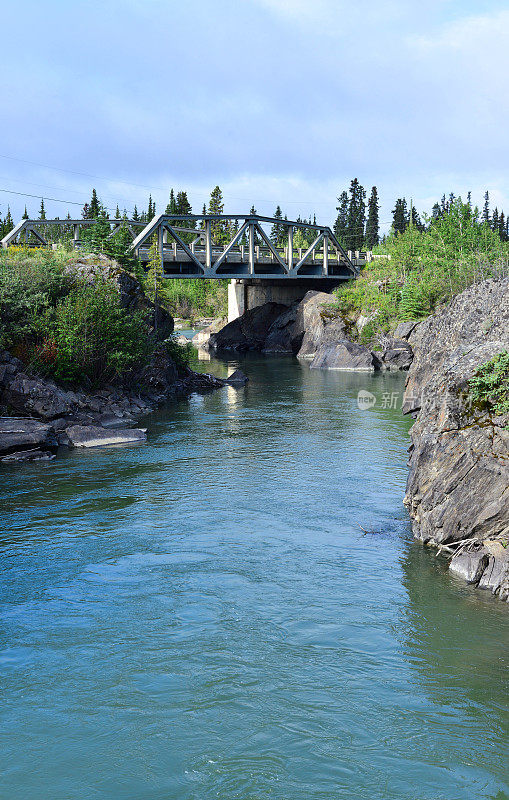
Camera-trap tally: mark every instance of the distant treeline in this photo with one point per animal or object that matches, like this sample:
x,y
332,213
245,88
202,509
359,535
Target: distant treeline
x,y
357,225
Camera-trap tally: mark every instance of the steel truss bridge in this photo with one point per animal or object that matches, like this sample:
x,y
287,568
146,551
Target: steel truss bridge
x,y
217,246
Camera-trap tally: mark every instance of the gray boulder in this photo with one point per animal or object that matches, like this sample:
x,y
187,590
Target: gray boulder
x,y
486,565
344,355
249,331
312,318
28,455
37,396
92,436
286,332
18,434
404,329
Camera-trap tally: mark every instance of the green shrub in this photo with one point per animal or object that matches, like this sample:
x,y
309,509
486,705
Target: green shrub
x,y
182,354
93,336
423,269
490,384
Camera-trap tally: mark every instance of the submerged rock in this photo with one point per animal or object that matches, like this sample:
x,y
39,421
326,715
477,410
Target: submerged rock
x,y
486,565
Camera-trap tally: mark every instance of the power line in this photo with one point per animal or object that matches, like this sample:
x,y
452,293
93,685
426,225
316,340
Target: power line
x,y
53,199
83,174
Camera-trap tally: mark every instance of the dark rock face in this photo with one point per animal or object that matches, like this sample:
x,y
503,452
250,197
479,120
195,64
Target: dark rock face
x,y
286,332
485,565
344,355
397,354
249,331
458,483
24,439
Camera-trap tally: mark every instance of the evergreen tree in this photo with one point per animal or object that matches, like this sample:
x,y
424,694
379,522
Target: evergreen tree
x,y
219,230
502,226
151,209
373,223
171,208
400,215
340,225
8,223
117,213
495,220
42,210
183,205
277,233
486,208
356,219
25,214
95,206
436,212
136,216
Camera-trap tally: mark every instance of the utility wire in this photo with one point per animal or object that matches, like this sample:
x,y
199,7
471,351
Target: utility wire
x,y
83,174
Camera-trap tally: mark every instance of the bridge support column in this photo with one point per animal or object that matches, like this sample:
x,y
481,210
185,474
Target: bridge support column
x,y
244,295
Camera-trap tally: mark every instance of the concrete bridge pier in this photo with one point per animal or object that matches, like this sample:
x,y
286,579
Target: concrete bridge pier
x,y
246,294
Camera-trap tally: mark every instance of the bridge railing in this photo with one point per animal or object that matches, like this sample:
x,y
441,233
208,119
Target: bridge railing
x,y
244,241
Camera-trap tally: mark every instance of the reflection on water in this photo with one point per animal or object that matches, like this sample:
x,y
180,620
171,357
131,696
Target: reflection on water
x,y
203,617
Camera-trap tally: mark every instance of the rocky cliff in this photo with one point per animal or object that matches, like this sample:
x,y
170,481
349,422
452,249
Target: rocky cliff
x,y
458,483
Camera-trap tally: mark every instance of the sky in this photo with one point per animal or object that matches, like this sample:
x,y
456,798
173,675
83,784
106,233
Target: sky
x,y
280,102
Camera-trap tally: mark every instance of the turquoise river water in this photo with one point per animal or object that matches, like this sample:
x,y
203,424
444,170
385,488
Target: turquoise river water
x,y
237,610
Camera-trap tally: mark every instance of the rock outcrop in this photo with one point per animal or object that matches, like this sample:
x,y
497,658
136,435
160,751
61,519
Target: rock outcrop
x,y
201,338
311,330
458,483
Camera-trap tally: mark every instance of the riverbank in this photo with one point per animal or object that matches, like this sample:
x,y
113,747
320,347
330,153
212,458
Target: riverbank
x,y
95,355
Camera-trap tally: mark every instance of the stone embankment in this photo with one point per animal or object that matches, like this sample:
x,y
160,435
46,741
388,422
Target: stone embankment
x,y
458,484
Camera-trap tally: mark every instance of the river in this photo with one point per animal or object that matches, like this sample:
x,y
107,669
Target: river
x,y
237,611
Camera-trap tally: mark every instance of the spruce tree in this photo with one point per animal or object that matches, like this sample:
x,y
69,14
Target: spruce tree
x,y
340,225
373,223
117,213
171,207
400,215
136,216
486,208
42,210
502,226
216,206
277,230
183,204
25,214
495,220
356,218
94,208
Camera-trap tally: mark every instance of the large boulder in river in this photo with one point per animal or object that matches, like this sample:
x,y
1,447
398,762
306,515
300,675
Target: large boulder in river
x,y
458,483
344,355
36,396
249,331
94,436
397,354
312,318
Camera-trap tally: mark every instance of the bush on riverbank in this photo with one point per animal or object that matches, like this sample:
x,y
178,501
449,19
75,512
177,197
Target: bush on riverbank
x,y
192,298
424,269
64,326
490,384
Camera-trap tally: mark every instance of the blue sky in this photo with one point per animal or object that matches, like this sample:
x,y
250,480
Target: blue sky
x,y
278,101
